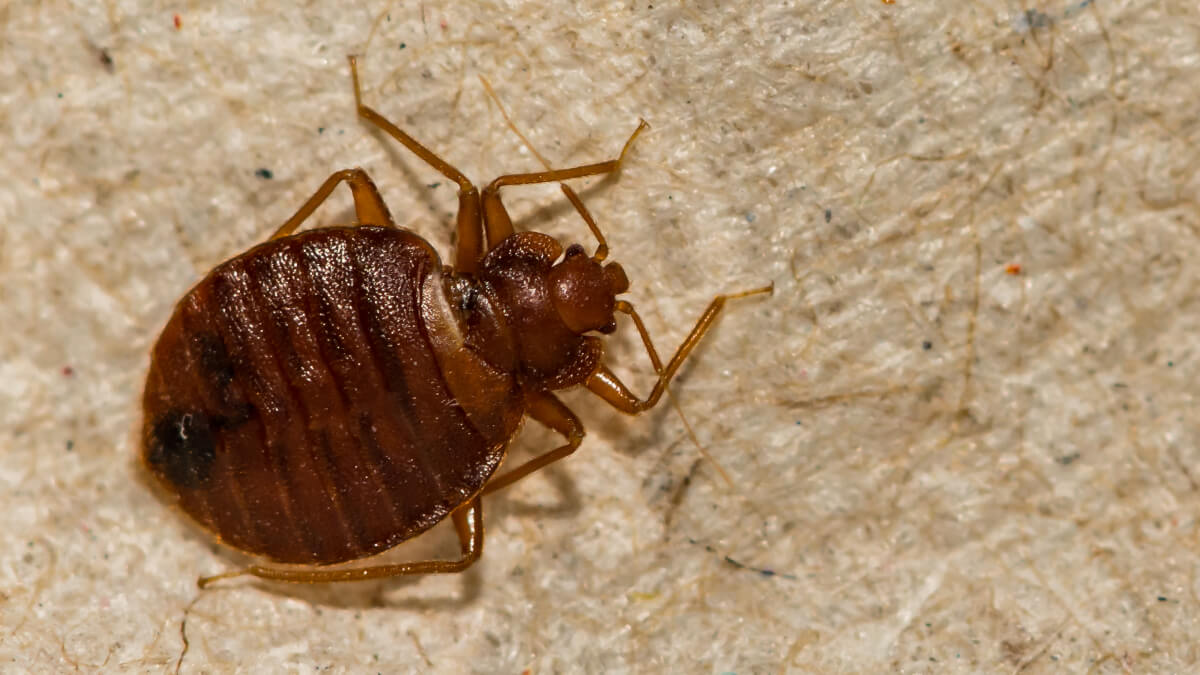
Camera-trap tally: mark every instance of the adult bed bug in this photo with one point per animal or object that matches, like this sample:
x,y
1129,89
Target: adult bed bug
x,y
331,393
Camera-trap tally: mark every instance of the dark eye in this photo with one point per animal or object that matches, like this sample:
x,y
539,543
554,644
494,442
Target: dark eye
x,y
573,250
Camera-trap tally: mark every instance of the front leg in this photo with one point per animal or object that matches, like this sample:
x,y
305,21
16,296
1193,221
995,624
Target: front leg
x,y
609,387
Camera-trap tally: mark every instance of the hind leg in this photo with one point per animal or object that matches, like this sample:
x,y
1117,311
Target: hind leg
x,y
369,208
470,224
468,522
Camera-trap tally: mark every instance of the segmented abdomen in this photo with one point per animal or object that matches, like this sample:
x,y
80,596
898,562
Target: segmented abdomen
x,y
295,407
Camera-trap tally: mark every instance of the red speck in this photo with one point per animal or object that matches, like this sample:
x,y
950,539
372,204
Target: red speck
x,y
178,22
1013,269
444,25
68,371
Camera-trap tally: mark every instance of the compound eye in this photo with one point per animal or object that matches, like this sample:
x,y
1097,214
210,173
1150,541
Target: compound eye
x,y
572,251
608,328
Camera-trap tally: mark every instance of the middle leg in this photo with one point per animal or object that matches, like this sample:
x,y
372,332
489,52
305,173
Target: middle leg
x,y
496,221
547,409
602,249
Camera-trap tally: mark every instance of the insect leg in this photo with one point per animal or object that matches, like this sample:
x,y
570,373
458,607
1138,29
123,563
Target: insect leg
x,y
495,218
368,205
607,386
468,522
602,249
547,409
470,229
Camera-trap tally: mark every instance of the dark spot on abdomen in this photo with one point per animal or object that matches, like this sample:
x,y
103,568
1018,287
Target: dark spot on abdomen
x,y
214,359
183,448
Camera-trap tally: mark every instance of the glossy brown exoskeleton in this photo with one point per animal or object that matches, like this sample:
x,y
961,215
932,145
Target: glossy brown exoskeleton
x,y
329,394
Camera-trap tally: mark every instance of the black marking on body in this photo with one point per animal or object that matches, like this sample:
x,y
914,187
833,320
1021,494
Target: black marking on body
x,y
214,358
183,448
219,370
469,299
240,414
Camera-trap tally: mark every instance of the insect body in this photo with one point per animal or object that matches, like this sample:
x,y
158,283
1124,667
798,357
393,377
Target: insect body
x,y
331,393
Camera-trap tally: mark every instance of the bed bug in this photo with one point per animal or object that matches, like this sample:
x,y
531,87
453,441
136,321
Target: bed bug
x,y
333,392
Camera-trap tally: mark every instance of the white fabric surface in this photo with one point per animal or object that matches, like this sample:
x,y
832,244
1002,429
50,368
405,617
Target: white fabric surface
x,y
962,432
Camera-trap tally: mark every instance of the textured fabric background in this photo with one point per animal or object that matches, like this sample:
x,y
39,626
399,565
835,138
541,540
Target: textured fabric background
x,y
962,434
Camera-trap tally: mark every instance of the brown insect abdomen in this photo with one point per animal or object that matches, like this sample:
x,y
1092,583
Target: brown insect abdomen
x,y
295,406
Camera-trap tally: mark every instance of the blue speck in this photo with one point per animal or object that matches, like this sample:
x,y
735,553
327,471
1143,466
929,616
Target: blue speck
x,y
1030,19
750,217
1081,6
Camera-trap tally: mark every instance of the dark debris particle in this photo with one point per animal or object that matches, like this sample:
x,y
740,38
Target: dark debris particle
x,y
761,571
927,345
1067,460
265,174
828,215
1162,598
1032,19
70,445
434,184
402,45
